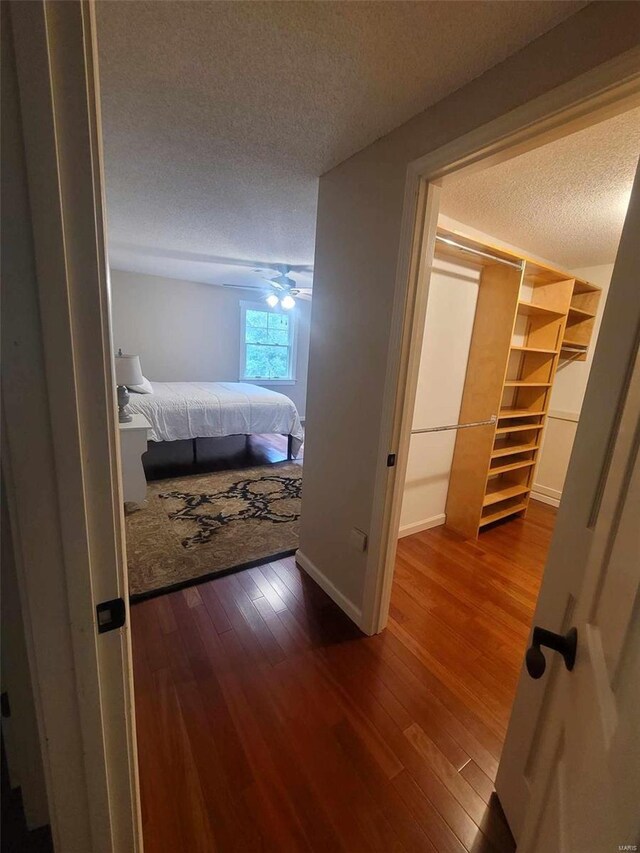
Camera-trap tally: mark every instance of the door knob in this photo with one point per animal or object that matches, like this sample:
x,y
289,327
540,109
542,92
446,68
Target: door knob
x,y
566,644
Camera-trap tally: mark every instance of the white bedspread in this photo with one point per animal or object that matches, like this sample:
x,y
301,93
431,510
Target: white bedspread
x,y
179,410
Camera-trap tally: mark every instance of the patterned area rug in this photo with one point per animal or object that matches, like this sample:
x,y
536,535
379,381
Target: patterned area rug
x,y
194,527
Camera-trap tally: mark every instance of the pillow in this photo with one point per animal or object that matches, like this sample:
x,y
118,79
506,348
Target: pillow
x,y
145,387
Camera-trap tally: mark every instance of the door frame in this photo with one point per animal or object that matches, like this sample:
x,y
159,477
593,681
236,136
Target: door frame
x,y
60,448
608,90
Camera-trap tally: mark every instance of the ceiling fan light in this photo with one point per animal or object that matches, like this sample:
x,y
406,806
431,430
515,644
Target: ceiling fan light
x,y
272,300
287,302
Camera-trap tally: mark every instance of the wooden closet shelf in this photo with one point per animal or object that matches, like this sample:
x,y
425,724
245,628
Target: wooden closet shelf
x,y
502,513
517,428
521,314
504,447
512,466
579,314
510,412
522,383
498,491
585,287
530,309
534,349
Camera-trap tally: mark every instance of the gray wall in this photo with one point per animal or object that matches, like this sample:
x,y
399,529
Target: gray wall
x,y
357,242
183,330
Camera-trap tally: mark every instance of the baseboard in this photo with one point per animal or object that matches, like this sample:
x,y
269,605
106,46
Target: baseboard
x,y
354,613
419,526
546,495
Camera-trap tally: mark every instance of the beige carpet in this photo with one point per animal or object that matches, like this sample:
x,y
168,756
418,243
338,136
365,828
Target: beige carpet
x,y
194,527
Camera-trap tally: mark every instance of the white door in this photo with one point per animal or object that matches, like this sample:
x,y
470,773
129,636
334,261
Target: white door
x,y
569,778
60,441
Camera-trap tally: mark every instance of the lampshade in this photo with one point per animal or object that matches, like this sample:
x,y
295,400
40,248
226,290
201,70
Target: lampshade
x,y
128,370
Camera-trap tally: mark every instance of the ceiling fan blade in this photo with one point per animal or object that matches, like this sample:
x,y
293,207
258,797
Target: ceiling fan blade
x,y
303,295
244,286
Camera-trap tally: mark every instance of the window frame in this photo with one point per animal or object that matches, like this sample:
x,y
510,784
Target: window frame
x,y
292,345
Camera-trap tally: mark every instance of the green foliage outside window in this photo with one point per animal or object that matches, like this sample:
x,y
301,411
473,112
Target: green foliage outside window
x,y
267,344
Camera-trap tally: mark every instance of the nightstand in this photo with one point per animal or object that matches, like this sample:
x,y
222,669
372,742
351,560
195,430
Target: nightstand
x,y
133,443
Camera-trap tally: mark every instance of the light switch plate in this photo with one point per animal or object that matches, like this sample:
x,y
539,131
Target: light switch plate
x,y
358,539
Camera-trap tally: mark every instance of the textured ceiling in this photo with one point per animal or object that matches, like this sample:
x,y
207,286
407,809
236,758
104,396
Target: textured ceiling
x,y
220,116
565,201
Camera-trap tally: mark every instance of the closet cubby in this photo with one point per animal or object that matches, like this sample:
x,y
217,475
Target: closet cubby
x,y
528,317
580,320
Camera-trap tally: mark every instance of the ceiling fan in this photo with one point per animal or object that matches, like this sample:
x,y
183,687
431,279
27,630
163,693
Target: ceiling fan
x,y
280,288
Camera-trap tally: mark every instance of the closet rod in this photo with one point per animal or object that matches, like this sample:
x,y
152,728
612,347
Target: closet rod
x,y
492,420
518,265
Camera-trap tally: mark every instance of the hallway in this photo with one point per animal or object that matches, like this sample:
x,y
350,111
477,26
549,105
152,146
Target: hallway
x,y
266,721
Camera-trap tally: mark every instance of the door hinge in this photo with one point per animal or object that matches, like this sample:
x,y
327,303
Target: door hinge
x,y
391,460
111,615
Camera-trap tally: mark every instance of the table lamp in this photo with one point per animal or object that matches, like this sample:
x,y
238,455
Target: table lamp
x,y
128,372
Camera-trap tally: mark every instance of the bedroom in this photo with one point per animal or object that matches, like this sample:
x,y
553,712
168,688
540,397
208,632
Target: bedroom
x,y
211,246
224,406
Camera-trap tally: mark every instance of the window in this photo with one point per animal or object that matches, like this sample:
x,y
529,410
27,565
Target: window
x,y
267,352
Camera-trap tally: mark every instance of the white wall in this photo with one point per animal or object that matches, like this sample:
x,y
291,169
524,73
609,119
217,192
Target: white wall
x,y
453,293
360,205
184,330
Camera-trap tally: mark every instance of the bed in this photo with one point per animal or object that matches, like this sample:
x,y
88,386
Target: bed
x,y
192,410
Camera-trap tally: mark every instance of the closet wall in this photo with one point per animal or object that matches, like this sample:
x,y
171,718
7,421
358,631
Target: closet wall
x,y
443,363
450,314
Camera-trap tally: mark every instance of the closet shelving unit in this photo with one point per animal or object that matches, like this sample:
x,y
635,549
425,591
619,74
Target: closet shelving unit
x,y
528,317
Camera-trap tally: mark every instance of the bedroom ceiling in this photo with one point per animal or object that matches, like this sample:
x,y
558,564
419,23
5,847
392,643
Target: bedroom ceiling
x,y
565,201
220,116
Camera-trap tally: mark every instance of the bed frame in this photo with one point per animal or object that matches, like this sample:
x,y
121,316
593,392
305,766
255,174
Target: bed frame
x,y
195,448
183,454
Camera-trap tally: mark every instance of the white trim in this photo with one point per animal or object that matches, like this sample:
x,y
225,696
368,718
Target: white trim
x,y
292,346
419,526
270,381
545,495
353,612
604,91
84,679
564,416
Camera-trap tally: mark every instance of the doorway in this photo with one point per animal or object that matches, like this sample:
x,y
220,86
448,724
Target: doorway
x,y
469,548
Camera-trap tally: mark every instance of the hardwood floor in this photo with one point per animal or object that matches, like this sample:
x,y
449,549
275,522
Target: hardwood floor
x,y
267,721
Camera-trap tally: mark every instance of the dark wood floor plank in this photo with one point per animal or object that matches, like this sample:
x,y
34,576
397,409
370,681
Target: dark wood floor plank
x,y
255,622
460,822
478,780
348,804
266,589
415,704
441,709
268,722
214,606
463,792
248,584
387,798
